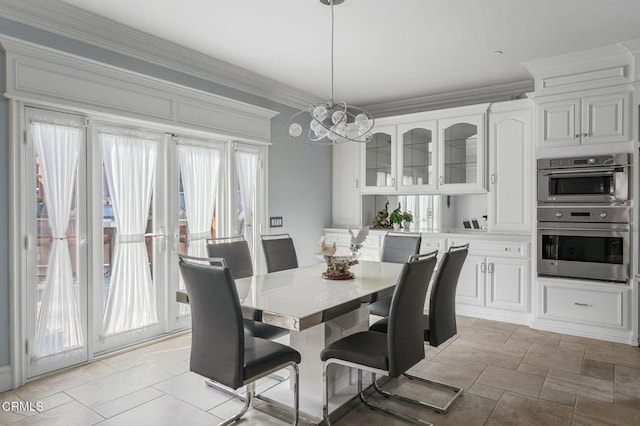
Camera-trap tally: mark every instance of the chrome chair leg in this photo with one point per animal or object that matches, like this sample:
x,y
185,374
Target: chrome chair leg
x,y
296,394
442,410
397,414
224,389
247,404
325,395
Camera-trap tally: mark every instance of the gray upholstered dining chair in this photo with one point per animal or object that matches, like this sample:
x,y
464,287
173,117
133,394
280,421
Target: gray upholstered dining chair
x,y
220,349
279,252
396,248
440,324
235,251
391,353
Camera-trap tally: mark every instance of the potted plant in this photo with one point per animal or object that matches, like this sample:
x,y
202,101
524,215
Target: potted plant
x,y
407,217
396,218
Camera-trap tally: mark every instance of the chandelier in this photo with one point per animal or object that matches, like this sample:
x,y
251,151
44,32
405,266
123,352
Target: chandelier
x,y
331,122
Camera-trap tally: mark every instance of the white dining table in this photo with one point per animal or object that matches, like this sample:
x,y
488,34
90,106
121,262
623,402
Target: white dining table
x,y
317,312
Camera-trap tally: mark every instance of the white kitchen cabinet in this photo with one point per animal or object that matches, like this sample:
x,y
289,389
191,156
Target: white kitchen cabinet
x,y
378,161
417,157
494,279
461,158
592,118
346,204
599,308
510,166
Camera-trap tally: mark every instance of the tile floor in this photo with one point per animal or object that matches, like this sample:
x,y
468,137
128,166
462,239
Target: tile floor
x,y
512,375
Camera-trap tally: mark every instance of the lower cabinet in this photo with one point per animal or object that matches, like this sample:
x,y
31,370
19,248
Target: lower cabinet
x,y
592,308
495,280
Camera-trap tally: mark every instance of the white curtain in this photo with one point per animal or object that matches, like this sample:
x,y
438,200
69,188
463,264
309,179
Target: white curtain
x,y
200,169
58,326
129,163
247,169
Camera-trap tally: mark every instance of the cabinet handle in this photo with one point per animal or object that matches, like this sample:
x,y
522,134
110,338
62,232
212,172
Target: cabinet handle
x,y
441,180
493,179
490,268
393,181
585,135
581,304
357,183
577,136
482,267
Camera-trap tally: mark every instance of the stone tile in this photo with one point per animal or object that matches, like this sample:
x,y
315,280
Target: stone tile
x,y
10,415
533,369
589,412
537,336
513,381
102,391
484,334
631,401
477,355
578,347
70,414
589,387
192,389
452,375
554,357
627,380
515,341
486,391
361,415
560,397
629,357
597,369
463,321
64,380
495,325
127,402
519,410
587,342
162,411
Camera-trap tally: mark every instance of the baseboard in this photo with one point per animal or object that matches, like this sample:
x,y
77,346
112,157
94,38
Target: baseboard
x,y
5,378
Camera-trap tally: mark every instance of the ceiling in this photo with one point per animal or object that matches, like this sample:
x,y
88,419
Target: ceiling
x,y
385,50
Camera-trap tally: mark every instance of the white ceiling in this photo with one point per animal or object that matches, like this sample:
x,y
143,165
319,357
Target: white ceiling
x,y
385,50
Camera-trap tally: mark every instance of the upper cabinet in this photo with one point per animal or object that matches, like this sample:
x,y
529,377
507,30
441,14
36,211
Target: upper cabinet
x,y
462,154
427,153
379,160
594,118
417,154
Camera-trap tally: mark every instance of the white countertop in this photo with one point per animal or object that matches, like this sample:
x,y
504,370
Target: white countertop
x,y
445,233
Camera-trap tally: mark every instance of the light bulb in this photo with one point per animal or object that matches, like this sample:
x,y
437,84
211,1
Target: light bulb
x,y
333,134
320,131
338,117
295,130
341,129
320,113
362,120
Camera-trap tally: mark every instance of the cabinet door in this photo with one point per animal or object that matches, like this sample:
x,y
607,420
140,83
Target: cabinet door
x,y
470,290
510,171
462,154
346,205
379,162
558,123
417,157
508,284
605,118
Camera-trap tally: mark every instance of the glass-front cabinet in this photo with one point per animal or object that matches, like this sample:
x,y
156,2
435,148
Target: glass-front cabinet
x,y
462,154
417,154
380,161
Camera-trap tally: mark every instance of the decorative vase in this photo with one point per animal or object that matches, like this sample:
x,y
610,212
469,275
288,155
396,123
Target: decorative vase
x,y
407,226
396,226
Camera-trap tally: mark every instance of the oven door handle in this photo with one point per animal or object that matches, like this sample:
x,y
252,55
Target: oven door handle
x,y
610,171
585,230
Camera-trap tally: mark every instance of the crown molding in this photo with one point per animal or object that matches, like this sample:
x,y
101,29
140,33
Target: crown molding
x,y
74,23
495,93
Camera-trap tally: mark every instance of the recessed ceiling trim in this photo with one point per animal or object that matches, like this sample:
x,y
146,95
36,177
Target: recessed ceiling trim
x,y
495,93
68,21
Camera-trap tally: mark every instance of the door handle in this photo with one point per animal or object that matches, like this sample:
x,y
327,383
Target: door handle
x,y
490,268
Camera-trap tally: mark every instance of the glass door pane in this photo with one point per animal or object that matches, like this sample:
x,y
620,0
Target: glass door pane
x,y
378,153
461,153
57,326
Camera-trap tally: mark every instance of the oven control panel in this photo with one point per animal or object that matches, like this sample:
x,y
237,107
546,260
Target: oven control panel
x,y
595,214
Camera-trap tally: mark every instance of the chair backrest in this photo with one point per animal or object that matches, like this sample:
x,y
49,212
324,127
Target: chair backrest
x,y
279,252
442,305
217,333
405,337
399,248
235,253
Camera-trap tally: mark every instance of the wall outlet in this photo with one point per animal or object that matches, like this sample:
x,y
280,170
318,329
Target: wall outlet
x,y
275,222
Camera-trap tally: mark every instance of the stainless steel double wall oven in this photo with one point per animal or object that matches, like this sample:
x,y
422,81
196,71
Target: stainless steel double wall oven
x,y
584,217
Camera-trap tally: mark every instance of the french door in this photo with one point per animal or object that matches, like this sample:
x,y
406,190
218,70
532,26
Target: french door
x,y
108,208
